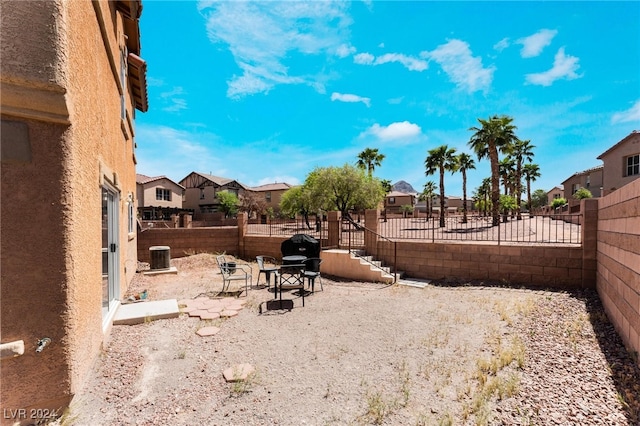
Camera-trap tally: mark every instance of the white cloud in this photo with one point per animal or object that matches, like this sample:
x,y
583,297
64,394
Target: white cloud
x,y
398,132
345,50
412,64
564,67
629,116
534,44
171,100
502,44
396,101
345,97
465,70
364,59
262,35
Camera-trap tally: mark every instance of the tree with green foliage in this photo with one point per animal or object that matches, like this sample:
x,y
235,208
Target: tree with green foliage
x,y
558,202
386,185
538,199
582,193
228,203
483,195
343,188
508,203
440,159
464,162
428,191
369,159
296,200
493,135
531,172
520,151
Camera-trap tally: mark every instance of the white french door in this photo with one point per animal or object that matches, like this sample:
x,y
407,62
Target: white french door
x,y
110,249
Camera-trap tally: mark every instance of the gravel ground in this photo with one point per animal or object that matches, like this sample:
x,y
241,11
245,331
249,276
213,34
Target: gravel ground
x,y
363,353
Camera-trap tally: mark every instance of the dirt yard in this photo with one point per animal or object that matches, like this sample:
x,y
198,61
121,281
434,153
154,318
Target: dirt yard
x,y
363,353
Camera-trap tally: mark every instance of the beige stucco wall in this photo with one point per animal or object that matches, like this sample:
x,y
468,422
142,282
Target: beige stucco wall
x,y
51,201
615,167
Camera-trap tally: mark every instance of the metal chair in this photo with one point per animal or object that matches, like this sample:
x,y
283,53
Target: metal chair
x,y
290,277
234,271
312,271
266,265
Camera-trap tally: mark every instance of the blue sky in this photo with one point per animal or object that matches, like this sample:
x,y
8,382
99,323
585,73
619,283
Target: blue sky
x,y
266,92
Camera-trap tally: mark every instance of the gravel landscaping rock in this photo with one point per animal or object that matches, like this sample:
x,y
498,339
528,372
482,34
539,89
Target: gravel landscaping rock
x,y
364,353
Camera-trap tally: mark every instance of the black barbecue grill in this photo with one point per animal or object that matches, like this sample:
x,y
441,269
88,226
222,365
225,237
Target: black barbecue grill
x,y
301,245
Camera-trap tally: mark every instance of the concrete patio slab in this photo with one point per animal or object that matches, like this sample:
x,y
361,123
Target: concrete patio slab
x,y
152,272
137,313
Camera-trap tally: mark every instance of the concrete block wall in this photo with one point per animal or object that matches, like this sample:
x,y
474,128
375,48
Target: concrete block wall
x,y
532,265
618,261
185,241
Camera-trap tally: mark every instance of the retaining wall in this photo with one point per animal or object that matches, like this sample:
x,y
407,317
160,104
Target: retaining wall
x,y
618,261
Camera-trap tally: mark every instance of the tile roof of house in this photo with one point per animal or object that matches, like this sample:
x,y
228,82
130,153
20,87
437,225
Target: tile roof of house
x,y
584,172
222,180
398,194
633,133
143,179
276,186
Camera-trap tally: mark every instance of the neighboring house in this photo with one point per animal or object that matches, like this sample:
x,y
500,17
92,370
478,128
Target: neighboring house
x,y
71,80
621,162
556,192
394,201
271,194
452,204
157,196
200,191
590,179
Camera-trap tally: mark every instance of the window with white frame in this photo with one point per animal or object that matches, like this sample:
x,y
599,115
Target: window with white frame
x,y
392,200
163,194
267,196
633,165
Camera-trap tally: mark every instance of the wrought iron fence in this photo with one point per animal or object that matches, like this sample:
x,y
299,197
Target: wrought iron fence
x,y
289,227
551,229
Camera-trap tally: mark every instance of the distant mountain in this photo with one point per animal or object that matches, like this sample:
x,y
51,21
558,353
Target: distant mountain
x,y
402,186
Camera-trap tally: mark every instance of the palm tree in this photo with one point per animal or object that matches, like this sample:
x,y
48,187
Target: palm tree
x,y
482,195
369,159
506,166
530,172
464,162
520,151
428,191
440,159
493,134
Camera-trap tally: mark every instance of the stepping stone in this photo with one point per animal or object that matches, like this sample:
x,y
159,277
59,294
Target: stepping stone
x,y
188,309
228,313
207,331
197,312
210,315
217,309
234,307
238,373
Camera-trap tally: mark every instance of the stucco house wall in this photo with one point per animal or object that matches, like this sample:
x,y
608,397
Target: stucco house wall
x,y
615,162
61,59
590,179
146,192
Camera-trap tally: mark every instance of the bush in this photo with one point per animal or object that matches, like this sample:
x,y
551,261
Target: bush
x,y
558,202
582,193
